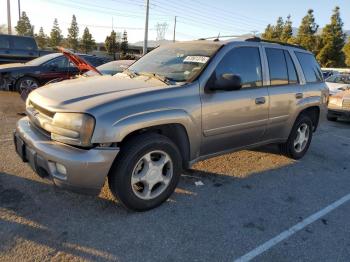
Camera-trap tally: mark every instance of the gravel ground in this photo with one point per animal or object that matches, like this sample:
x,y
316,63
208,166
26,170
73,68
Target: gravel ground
x,y
247,198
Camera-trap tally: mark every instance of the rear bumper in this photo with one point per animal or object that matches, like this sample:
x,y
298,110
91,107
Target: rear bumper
x,y
86,170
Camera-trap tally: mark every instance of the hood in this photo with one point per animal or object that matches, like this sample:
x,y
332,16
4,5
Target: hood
x,y
334,87
79,62
82,94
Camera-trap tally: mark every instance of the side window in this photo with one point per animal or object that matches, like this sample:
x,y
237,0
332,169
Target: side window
x,y
292,73
244,62
24,43
311,68
277,66
4,42
60,62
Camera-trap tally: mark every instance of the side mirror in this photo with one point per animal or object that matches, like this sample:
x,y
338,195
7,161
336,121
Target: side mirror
x,y
227,82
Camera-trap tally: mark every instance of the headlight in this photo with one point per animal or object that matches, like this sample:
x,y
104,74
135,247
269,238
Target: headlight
x,y
337,101
72,128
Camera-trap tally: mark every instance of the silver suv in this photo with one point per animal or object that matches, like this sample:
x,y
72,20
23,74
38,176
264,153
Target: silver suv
x,y
179,104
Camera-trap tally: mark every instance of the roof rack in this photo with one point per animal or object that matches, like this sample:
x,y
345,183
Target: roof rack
x,y
258,39
217,38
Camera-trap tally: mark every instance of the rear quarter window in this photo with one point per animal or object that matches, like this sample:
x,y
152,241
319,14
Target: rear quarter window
x,y
311,68
4,42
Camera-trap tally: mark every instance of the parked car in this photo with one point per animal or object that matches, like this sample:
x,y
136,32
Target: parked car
x,y
339,106
179,104
35,73
338,83
111,68
18,49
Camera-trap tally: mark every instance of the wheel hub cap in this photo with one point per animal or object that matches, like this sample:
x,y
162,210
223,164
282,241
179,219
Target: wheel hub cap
x,y
302,138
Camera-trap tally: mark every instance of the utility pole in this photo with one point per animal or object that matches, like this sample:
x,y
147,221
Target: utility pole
x,y
9,18
19,9
146,29
174,29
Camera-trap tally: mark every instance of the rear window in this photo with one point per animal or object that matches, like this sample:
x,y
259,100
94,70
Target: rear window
x,y
24,43
311,68
4,42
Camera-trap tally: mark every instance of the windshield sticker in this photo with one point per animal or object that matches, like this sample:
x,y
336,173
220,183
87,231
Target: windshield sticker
x,y
196,59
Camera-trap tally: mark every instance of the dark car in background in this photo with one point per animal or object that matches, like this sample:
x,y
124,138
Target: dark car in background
x,y
18,49
112,68
35,73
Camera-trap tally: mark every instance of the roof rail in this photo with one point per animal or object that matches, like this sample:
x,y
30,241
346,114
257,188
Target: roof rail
x,y
258,39
217,38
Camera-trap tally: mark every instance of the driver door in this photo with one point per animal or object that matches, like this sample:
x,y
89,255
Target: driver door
x,y
56,68
233,119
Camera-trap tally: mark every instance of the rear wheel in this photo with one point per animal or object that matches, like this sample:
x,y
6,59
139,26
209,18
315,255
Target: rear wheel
x,y
146,172
299,139
26,84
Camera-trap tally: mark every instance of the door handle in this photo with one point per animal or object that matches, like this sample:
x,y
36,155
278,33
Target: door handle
x,y
299,95
260,100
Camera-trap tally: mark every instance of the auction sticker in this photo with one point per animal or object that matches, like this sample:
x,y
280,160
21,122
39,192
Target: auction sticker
x,y
196,59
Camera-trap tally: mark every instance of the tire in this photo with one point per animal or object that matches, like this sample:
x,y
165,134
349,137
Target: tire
x,y
331,118
298,151
27,84
141,158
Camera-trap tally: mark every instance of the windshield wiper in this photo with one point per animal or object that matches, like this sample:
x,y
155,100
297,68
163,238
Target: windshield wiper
x,y
164,79
130,73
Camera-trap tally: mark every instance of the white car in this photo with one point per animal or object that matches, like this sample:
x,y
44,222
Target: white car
x,y
338,83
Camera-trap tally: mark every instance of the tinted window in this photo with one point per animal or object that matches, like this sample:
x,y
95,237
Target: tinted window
x,y
25,43
292,73
277,66
60,62
311,69
4,42
244,62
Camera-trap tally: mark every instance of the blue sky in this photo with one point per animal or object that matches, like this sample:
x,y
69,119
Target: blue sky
x,y
196,18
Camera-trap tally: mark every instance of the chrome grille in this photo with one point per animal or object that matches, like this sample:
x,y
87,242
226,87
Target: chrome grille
x,y
346,104
39,116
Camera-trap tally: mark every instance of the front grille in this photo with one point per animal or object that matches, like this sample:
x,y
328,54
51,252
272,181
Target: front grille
x,y
41,110
39,117
346,104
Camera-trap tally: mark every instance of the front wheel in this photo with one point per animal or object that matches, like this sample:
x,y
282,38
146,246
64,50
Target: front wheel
x,y
299,139
26,84
146,172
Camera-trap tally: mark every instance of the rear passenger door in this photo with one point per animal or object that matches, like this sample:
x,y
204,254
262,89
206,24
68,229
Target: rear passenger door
x,y
284,91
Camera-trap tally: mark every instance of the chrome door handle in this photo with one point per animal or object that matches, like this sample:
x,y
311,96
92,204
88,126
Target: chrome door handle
x,y
260,100
299,95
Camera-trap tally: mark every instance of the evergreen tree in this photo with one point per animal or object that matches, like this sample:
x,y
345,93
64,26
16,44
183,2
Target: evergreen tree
x,y
24,27
87,43
346,51
124,44
112,44
73,35
55,35
306,36
287,32
41,39
333,41
268,34
277,35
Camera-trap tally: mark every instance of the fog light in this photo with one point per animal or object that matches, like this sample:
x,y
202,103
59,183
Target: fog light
x,y
61,169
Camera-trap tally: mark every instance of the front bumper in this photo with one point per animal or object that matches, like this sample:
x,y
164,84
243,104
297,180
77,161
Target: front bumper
x,y
86,169
339,113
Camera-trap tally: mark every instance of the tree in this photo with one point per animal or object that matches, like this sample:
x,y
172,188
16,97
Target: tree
x,y
287,32
24,26
306,36
73,35
112,44
333,42
274,32
41,39
124,45
268,34
346,51
55,35
87,43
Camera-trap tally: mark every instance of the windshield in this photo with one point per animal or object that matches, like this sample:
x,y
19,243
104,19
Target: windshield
x,y
177,62
339,79
42,59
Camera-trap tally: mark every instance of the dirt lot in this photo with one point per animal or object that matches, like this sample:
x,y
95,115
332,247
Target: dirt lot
x,y
247,199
